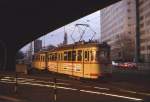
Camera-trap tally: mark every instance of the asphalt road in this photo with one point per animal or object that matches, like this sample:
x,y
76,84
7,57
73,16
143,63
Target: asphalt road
x,y
40,88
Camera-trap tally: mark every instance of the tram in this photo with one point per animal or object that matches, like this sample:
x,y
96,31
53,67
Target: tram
x,y
82,59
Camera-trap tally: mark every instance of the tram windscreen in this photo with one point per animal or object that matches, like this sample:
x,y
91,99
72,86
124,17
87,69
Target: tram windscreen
x,y
103,56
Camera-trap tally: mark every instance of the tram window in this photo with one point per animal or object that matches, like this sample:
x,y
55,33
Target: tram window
x,y
40,58
58,57
79,55
65,56
92,55
61,57
43,58
69,55
50,57
104,55
55,58
86,55
73,55
97,56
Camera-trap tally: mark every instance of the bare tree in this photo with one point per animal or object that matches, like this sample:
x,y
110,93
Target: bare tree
x,y
124,50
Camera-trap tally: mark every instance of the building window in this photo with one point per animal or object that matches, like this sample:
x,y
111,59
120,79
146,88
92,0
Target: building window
x,y
128,2
128,10
141,18
142,25
142,48
129,18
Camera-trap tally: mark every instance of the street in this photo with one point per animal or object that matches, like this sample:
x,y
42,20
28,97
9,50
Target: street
x,y
40,88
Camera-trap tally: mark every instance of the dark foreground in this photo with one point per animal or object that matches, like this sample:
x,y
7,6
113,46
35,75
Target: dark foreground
x,y
122,87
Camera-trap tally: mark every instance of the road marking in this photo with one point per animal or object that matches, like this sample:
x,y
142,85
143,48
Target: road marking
x,y
6,81
101,88
67,88
134,92
7,77
113,95
27,79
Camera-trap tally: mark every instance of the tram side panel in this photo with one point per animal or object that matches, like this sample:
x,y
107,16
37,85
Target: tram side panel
x,y
40,61
42,64
52,62
91,66
59,61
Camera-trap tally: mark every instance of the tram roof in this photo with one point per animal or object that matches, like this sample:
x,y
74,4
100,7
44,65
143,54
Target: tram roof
x,y
76,45
81,45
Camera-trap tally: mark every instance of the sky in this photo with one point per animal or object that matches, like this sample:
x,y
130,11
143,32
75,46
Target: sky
x,y
56,37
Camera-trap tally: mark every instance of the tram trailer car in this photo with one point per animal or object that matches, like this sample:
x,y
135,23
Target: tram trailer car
x,y
82,60
39,60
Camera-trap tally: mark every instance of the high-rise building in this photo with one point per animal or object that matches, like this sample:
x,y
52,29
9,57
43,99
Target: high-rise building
x,y
144,19
118,27
37,45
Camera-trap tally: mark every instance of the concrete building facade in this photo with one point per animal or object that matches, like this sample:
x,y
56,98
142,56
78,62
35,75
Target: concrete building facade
x,y
118,28
144,19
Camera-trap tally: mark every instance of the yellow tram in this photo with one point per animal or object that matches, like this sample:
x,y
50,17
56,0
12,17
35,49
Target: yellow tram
x,y
39,60
83,59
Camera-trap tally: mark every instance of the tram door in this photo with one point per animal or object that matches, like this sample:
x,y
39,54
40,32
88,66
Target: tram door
x,y
86,63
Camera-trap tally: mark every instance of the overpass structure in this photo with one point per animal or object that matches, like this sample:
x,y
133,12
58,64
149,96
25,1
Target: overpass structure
x,y
23,21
